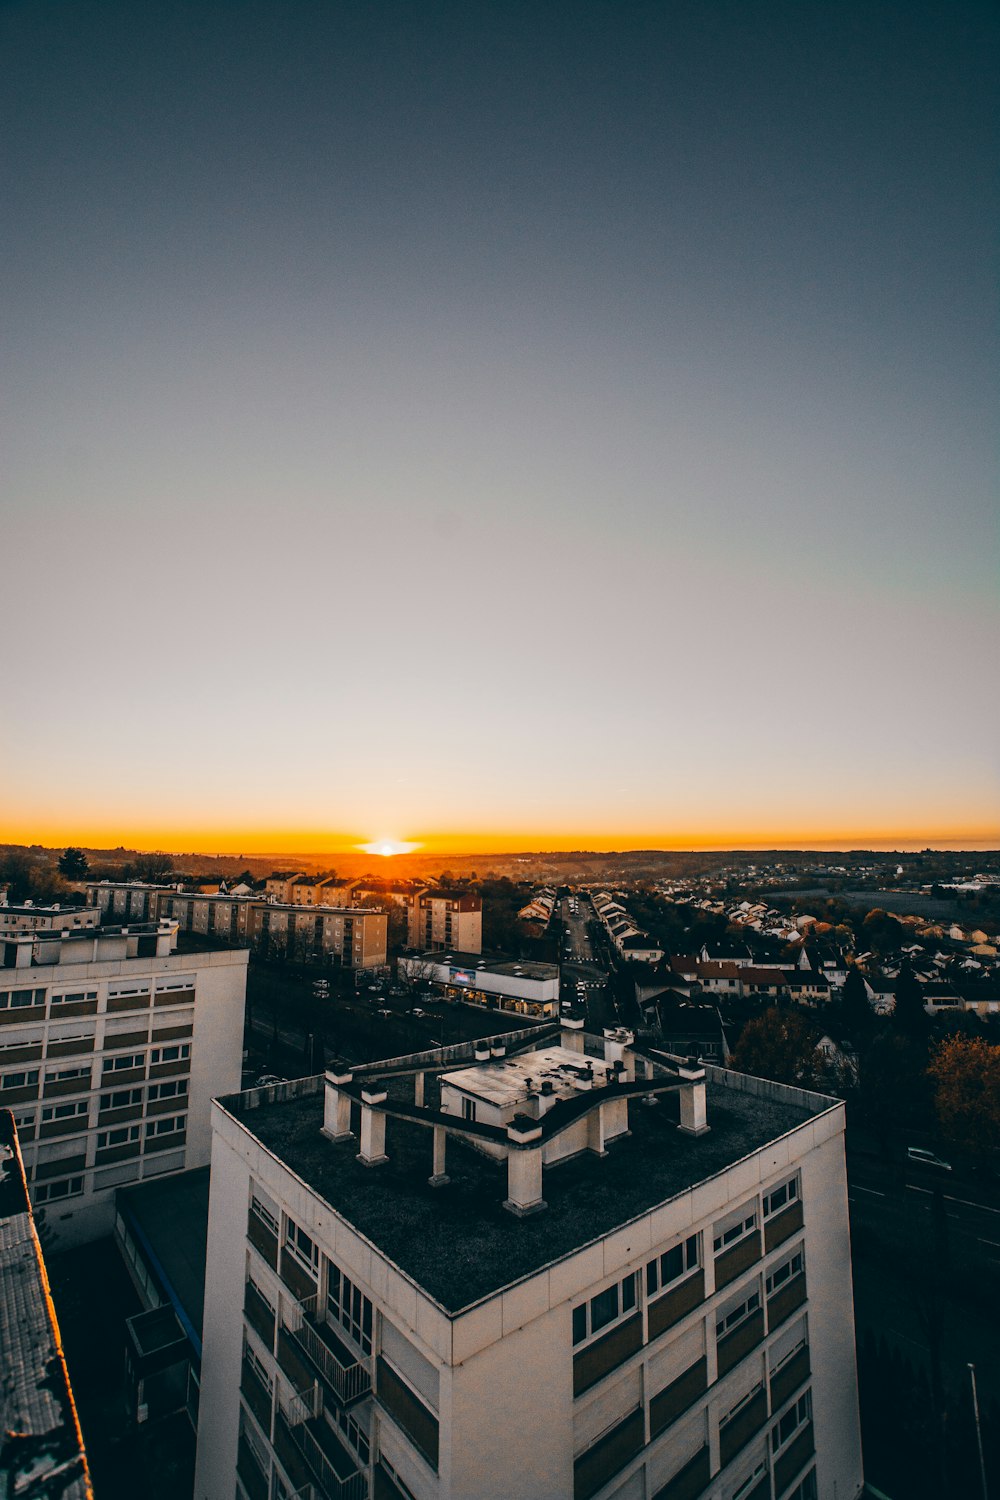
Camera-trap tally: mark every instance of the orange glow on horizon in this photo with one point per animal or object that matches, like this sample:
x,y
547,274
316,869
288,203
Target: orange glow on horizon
x,y
263,841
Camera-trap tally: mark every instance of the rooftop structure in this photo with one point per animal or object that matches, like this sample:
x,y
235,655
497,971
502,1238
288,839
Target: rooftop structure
x,y
41,1448
433,1241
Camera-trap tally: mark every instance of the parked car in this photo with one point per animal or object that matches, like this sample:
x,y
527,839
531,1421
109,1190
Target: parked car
x,y
924,1158
416,1011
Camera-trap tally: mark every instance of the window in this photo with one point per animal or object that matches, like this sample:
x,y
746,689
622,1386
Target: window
x,y
166,1126
788,1355
780,1197
67,1037
121,1099
354,1433
122,1135
22,1041
791,1266
48,1192
73,997
123,1062
170,1054
807,1489
734,1232
741,1404
726,1322
174,1088
797,1415
304,1249
672,1265
25,1120
22,1080
468,1109
751,1481
265,1214
58,1075
116,991
258,1367
21,999
65,1111
609,1306
350,1307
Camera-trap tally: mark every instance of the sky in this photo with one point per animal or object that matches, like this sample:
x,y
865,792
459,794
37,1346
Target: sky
x,y
498,425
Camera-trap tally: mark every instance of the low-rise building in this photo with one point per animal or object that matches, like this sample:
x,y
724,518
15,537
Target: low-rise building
x,y
113,1041
57,918
548,1266
519,985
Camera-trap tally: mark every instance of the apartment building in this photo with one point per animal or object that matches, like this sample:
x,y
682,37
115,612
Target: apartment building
x,y
438,920
547,1265
31,918
113,1041
352,937
41,1455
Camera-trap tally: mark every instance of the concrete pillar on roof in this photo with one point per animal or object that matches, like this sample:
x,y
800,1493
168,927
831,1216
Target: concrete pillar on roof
x,y
337,1106
418,1090
524,1168
694,1110
439,1177
571,1037
372,1153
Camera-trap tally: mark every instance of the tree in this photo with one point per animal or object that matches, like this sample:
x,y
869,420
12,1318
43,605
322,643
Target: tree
x,y
74,864
856,1008
881,932
780,1045
908,1013
965,1072
152,867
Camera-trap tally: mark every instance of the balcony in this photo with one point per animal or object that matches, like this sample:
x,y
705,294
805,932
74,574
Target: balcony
x,y
785,1301
346,1374
337,1474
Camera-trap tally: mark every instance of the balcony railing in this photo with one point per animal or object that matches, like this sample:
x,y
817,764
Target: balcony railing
x,y
347,1374
316,1442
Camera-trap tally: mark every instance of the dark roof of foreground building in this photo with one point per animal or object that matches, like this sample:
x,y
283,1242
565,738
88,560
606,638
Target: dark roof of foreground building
x,y
41,1449
458,1242
170,1216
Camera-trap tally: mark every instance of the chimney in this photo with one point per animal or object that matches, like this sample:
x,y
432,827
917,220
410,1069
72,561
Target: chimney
x,y
498,1049
482,1052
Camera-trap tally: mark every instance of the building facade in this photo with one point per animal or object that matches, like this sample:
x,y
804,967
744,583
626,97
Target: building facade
x,y
438,920
659,1309
112,1044
349,937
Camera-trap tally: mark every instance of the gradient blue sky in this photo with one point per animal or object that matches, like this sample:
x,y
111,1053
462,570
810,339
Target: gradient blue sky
x,y
499,423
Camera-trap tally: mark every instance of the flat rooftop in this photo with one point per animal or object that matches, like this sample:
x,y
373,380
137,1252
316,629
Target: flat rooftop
x,y
171,1214
489,963
458,1242
41,1452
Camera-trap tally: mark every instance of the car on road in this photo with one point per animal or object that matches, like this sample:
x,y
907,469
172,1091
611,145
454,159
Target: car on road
x,y
416,1011
268,1078
383,1012
922,1158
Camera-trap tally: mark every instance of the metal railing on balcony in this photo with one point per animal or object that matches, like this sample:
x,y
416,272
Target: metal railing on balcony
x,y
347,1374
301,1413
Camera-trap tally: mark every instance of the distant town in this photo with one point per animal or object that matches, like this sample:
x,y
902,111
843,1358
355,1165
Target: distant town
x,y
316,1160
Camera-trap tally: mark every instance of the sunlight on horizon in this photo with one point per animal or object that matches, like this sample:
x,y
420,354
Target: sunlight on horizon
x,y
388,847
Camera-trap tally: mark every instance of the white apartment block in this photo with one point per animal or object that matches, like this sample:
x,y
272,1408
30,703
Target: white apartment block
x,y
31,918
112,1045
438,920
548,1266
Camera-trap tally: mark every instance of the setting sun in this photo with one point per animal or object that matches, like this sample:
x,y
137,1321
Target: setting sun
x,y
387,847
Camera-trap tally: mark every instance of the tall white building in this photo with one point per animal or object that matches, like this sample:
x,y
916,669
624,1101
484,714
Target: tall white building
x,y
112,1044
567,1269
